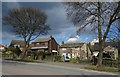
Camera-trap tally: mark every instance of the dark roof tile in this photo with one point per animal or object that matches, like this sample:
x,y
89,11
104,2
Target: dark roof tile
x,y
71,45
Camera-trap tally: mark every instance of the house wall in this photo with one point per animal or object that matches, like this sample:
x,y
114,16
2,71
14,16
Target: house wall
x,y
76,52
38,44
83,52
112,50
52,45
2,49
65,51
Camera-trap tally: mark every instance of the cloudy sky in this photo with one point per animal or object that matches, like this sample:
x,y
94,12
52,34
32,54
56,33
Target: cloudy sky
x,y
61,28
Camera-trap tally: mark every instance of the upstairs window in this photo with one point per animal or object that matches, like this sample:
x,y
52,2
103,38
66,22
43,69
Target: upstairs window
x,y
34,44
16,46
42,43
63,48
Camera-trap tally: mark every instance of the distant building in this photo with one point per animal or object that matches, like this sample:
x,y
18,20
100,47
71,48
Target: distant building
x,y
74,50
46,45
94,41
19,43
109,47
2,48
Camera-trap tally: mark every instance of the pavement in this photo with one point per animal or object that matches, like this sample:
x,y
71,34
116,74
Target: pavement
x,y
49,68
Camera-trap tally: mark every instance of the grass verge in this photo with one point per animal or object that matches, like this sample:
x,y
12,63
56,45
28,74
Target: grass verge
x,y
26,60
103,69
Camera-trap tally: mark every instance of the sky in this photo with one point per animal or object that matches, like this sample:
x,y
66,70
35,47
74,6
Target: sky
x,y
61,28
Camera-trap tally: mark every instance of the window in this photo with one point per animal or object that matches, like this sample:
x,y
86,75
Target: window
x,y
37,43
16,46
42,43
77,48
63,48
34,44
52,45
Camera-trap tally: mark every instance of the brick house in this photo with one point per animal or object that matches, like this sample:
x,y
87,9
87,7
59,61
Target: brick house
x,y
45,44
74,50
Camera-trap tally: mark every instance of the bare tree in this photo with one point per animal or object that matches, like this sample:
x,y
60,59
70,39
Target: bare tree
x,y
114,34
28,23
99,16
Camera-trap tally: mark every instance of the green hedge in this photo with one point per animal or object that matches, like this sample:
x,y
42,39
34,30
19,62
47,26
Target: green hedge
x,y
112,63
103,69
57,58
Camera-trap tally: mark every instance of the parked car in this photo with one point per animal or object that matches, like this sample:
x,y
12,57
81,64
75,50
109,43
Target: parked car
x,y
67,59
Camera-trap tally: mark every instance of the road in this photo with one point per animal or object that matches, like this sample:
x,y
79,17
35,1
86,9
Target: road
x,y
18,68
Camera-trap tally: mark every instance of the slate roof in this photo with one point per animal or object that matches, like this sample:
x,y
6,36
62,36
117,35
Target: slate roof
x,y
71,45
17,42
42,40
112,44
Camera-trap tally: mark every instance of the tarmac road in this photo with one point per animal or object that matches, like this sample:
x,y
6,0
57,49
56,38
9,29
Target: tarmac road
x,y
21,68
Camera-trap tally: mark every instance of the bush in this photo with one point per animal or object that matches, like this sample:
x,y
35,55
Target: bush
x,y
102,69
72,60
40,53
118,58
112,63
57,58
17,51
8,52
78,60
47,53
49,58
26,60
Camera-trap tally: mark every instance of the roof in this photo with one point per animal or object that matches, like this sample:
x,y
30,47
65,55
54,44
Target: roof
x,y
42,40
2,46
17,42
72,45
112,44
39,47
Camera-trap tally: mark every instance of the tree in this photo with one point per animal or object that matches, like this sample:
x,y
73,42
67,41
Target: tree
x,y
12,49
94,16
114,34
17,51
28,23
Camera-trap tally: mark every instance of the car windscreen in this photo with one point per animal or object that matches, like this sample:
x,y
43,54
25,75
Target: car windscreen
x,y
67,57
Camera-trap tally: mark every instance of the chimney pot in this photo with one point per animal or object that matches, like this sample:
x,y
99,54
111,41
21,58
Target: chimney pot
x,y
50,36
62,42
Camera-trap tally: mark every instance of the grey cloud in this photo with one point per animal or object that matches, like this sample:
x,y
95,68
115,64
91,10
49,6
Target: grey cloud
x,y
61,27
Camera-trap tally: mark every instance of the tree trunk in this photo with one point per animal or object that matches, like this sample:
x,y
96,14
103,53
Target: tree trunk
x,y
99,60
25,51
24,54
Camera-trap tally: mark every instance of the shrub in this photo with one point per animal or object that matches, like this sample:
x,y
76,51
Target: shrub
x,y
8,52
72,60
47,53
49,58
17,51
40,53
57,58
118,58
102,69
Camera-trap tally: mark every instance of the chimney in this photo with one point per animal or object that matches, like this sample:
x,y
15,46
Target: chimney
x,y
51,36
62,42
